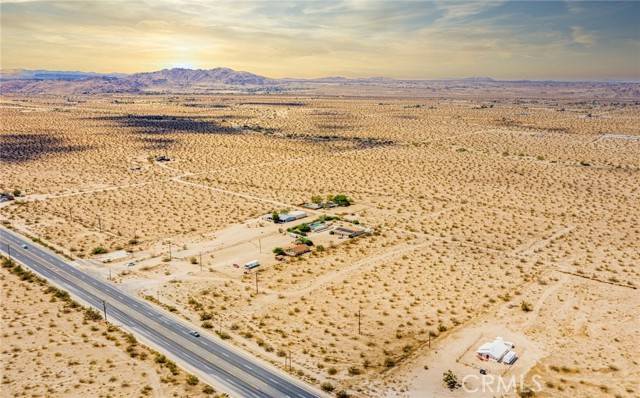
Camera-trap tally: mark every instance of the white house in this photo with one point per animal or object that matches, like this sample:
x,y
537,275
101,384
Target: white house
x,y
292,216
286,217
497,350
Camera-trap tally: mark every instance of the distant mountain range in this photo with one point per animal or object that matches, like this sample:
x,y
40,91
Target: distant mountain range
x,y
180,80
26,74
176,79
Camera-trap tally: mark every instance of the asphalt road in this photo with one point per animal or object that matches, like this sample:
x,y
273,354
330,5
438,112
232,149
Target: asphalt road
x,y
236,372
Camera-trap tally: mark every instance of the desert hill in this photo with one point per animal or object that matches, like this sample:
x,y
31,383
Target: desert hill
x,y
181,80
176,79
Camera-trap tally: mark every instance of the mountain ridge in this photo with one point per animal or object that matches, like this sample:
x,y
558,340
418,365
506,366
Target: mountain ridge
x,y
175,80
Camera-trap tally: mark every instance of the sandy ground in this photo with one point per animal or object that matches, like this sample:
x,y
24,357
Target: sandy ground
x,y
51,349
475,206
577,341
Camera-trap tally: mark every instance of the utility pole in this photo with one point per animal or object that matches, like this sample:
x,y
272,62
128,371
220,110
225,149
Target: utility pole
x,y
70,216
104,308
9,250
429,339
99,224
289,360
359,323
200,261
256,281
110,273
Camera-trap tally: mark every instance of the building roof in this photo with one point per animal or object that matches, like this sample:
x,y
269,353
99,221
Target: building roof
x,y
345,230
297,250
352,233
495,349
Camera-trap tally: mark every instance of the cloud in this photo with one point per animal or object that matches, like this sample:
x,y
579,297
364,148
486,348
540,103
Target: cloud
x,y
314,38
580,36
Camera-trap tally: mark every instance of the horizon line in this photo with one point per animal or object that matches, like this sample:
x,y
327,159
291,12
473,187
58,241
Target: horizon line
x,y
558,80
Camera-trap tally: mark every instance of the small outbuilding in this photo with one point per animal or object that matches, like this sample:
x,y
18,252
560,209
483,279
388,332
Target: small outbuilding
x,y
348,232
297,250
318,226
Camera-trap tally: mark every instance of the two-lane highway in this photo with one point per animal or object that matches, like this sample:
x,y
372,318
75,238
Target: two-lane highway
x,y
226,367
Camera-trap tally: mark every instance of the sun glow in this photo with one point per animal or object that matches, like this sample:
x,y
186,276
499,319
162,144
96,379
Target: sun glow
x,y
183,65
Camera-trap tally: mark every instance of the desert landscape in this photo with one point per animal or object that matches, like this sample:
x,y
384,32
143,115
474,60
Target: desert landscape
x,y
75,351
485,212
320,198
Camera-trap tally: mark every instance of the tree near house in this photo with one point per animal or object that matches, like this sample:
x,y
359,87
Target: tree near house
x,y
275,216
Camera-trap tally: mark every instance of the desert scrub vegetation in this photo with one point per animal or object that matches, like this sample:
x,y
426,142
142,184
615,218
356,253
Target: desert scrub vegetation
x,y
457,233
450,379
98,357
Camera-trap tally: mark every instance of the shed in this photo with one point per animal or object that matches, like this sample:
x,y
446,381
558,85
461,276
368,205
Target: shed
x,y
349,232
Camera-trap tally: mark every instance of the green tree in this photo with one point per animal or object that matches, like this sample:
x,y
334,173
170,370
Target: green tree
x,y
451,380
342,200
305,241
275,216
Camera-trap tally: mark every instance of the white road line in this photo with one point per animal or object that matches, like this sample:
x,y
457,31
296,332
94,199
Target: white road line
x,y
59,269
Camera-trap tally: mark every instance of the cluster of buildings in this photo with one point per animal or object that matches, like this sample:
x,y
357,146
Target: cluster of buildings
x,y
299,232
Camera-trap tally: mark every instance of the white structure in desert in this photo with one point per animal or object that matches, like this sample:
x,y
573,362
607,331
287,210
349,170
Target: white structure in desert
x,y
497,350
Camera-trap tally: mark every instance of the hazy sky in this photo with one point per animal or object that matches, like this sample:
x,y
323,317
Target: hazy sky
x,y
510,40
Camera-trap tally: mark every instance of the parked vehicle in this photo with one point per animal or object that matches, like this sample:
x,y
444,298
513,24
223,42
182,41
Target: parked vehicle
x,y
252,264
